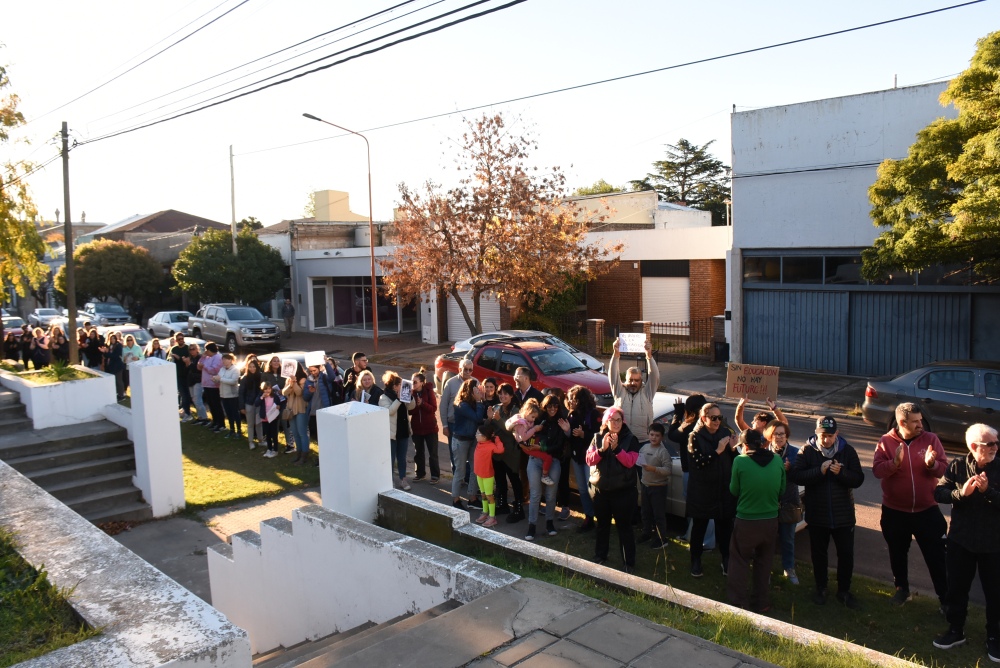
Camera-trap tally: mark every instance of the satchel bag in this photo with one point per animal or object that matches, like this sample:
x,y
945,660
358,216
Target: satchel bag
x,y
286,414
790,513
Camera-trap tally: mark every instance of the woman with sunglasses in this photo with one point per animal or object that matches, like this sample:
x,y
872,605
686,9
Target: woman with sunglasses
x,y
711,451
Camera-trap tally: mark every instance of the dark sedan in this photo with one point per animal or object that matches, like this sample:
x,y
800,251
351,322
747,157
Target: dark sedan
x,y
951,396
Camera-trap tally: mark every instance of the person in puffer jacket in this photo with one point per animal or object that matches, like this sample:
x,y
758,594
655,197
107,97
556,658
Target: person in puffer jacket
x,y
828,468
909,461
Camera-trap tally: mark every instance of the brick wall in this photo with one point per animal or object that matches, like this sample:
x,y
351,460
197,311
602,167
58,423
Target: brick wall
x,y
708,288
616,297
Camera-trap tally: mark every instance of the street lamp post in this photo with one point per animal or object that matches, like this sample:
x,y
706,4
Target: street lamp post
x,y
371,227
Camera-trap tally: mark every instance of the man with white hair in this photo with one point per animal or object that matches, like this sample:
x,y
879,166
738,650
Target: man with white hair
x,y
635,397
909,461
972,486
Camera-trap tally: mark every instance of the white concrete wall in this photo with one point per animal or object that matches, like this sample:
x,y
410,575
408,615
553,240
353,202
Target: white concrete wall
x,y
827,207
146,619
156,434
683,243
671,218
354,461
280,242
60,404
325,572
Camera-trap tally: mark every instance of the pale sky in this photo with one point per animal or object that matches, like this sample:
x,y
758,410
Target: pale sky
x,y
56,50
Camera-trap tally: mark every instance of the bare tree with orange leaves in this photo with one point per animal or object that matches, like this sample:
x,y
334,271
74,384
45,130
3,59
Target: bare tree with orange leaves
x,y
506,230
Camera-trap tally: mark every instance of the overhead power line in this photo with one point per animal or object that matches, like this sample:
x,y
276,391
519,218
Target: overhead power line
x,y
689,63
382,47
273,53
146,60
36,168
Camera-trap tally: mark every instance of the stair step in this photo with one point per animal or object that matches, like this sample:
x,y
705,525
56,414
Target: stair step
x,y
85,469
53,439
292,656
12,424
84,453
128,512
12,410
103,500
9,397
92,485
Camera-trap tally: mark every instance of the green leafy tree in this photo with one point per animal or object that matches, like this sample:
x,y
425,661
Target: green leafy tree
x,y
21,247
690,174
941,203
599,187
115,269
208,272
249,223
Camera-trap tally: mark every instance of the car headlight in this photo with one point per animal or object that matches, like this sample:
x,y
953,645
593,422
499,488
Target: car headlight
x,y
104,321
245,330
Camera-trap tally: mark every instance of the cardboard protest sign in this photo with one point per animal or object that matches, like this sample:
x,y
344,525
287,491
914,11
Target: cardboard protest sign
x,y
288,368
632,342
406,391
315,358
752,381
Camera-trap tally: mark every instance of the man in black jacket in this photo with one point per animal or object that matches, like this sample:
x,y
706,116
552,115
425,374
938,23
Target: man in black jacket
x,y
829,469
971,485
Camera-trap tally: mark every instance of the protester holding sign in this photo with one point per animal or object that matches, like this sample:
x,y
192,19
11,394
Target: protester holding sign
x,y
634,396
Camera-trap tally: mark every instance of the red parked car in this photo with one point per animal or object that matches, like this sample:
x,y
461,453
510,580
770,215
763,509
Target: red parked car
x,y
548,365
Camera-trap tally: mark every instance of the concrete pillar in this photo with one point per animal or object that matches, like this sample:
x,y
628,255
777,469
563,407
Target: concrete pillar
x,y
644,326
595,336
354,464
156,432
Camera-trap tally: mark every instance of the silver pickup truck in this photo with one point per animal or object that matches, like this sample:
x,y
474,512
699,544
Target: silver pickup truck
x,y
234,326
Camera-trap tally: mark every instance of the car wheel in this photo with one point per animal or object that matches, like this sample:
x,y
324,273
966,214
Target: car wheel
x,y
231,344
445,377
196,333
151,332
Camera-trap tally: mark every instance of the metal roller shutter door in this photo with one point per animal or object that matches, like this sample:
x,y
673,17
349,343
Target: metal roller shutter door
x,y
666,300
489,316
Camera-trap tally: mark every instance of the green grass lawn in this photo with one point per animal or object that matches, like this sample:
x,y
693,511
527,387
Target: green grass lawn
x,y
221,471
34,616
905,631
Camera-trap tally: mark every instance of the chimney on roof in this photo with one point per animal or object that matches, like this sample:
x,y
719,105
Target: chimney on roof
x,y
681,202
57,216
83,216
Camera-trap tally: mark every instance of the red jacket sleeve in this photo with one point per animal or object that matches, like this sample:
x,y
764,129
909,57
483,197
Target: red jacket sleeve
x,y
883,465
627,458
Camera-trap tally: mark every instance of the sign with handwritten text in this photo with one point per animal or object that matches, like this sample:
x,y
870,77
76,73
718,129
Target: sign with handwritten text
x,y
632,342
752,381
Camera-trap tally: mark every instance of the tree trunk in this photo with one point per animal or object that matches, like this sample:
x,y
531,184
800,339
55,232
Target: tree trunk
x,y
474,326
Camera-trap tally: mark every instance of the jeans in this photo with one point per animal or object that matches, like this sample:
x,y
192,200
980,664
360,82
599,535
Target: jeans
x,y
819,543
654,511
300,425
398,454
196,396
752,546
254,425
535,486
928,527
451,444
232,407
786,538
184,395
271,434
582,473
428,443
620,505
962,566
460,447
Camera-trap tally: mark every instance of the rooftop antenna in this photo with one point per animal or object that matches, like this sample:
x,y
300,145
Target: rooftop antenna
x,y
894,80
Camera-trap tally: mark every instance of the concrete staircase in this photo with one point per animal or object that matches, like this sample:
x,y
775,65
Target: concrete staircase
x,y
339,648
88,466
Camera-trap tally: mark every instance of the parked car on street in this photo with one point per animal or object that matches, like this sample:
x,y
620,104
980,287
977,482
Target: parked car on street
x,y
142,337
104,314
14,324
42,317
951,396
549,366
63,320
234,326
168,323
530,335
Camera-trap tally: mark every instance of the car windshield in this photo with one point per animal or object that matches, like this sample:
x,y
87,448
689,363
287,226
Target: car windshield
x,y
179,317
13,322
553,361
108,308
556,341
246,313
47,311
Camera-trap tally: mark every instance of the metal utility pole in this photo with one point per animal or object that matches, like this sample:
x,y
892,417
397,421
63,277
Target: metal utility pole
x,y
232,191
371,228
74,352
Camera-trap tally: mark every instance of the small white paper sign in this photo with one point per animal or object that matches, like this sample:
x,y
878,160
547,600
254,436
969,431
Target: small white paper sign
x,y
406,391
288,368
632,342
315,358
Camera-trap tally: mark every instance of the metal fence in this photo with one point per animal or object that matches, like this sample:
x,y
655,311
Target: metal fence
x,y
691,339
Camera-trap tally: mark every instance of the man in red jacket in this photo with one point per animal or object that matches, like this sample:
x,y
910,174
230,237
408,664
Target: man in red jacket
x,y
909,461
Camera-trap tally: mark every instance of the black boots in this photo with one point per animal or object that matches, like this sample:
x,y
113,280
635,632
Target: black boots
x,y
516,513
